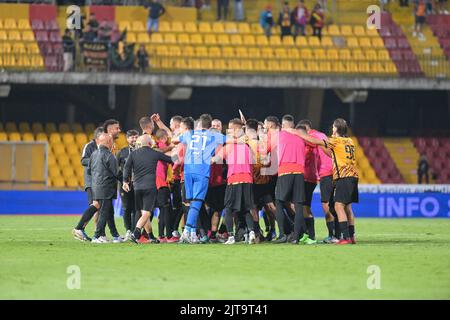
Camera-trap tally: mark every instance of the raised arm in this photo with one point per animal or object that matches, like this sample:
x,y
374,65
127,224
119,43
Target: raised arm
x,y
307,137
157,119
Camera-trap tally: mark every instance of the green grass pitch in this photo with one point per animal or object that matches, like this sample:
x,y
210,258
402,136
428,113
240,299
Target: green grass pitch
x,y
413,256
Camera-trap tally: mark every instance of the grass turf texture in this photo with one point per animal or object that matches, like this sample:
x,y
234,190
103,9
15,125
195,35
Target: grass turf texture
x,y
414,257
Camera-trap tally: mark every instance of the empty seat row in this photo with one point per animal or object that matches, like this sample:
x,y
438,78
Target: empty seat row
x,y
11,24
15,35
29,61
19,47
49,127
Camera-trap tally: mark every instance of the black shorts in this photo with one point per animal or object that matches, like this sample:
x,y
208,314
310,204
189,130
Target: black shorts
x,y
326,188
215,198
89,195
145,199
262,194
176,194
309,190
163,197
346,190
183,193
239,197
290,187
420,19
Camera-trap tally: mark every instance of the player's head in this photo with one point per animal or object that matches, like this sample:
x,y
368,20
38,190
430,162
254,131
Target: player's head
x,y
132,136
112,127
204,122
251,127
235,127
340,127
106,140
187,124
161,135
97,132
145,141
271,123
301,127
146,124
217,124
306,123
175,122
287,122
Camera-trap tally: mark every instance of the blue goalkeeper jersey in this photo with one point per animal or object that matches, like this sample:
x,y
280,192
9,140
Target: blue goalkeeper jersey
x,y
200,147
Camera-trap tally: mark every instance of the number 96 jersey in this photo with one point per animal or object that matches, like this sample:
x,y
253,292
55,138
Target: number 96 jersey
x,y
344,160
200,147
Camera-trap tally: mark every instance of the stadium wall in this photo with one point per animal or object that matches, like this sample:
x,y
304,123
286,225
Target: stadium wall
x,y
383,201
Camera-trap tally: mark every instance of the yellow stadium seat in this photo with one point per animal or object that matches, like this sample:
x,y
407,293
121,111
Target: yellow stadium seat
x,y
383,55
33,48
243,28
365,42
352,42
58,150
267,52
201,51
137,26
67,172
206,64
325,67
256,28
254,52
81,139
37,61
68,138
346,30
188,51
3,35
62,160
156,38
377,43
204,27
377,68
58,182
371,55
249,40
3,136
234,65
285,66
301,41
174,51
131,37
170,38
293,53
241,52
259,65
53,170
190,27
10,24
352,67
79,171
281,53
183,38
246,65
28,36
177,26
181,64
333,30
230,27
196,39
223,39
143,37
218,27
24,127
345,54
236,39
363,67
372,32
288,41
359,31
358,54
37,127
164,26
41,137
72,182
327,42
214,52
124,25
228,52
28,136
24,61
314,42
275,41
219,64
306,54
332,54
5,47
162,50
10,127
210,39
338,67
262,40
14,136
273,65
54,138
319,54
194,64
14,35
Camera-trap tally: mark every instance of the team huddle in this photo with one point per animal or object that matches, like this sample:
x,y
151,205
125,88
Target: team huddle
x,y
195,175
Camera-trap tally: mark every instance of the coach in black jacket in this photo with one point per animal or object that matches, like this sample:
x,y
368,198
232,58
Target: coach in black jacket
x,y
142,163
103,169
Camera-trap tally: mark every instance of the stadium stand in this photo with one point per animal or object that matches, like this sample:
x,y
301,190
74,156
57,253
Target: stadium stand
x,y
437,151
405,157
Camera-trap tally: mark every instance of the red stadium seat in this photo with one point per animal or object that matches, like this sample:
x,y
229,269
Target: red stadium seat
x,y
37,25
41,36
390,43
403,43
55,37
51,25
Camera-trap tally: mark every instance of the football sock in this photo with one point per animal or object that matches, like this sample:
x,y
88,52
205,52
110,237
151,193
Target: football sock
x,y
330,227
213,234
280,217
194,211
137,233
161,222
299,224
310,226
249,221
337,229
344,229
229,220
351,231
86,217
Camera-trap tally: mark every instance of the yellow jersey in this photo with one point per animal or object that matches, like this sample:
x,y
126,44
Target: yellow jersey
x,y
344,160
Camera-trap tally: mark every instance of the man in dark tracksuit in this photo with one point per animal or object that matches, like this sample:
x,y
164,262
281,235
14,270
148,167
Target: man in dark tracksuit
x,y
104,172
88,149
127,197
142,163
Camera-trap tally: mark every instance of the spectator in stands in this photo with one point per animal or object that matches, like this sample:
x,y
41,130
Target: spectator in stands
x,y
155,11
93,23
419,13
222,5
422,169
284,20
266,20
300,18
317,20
89,34
442,9
238,10
142,58
69,50
105,32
